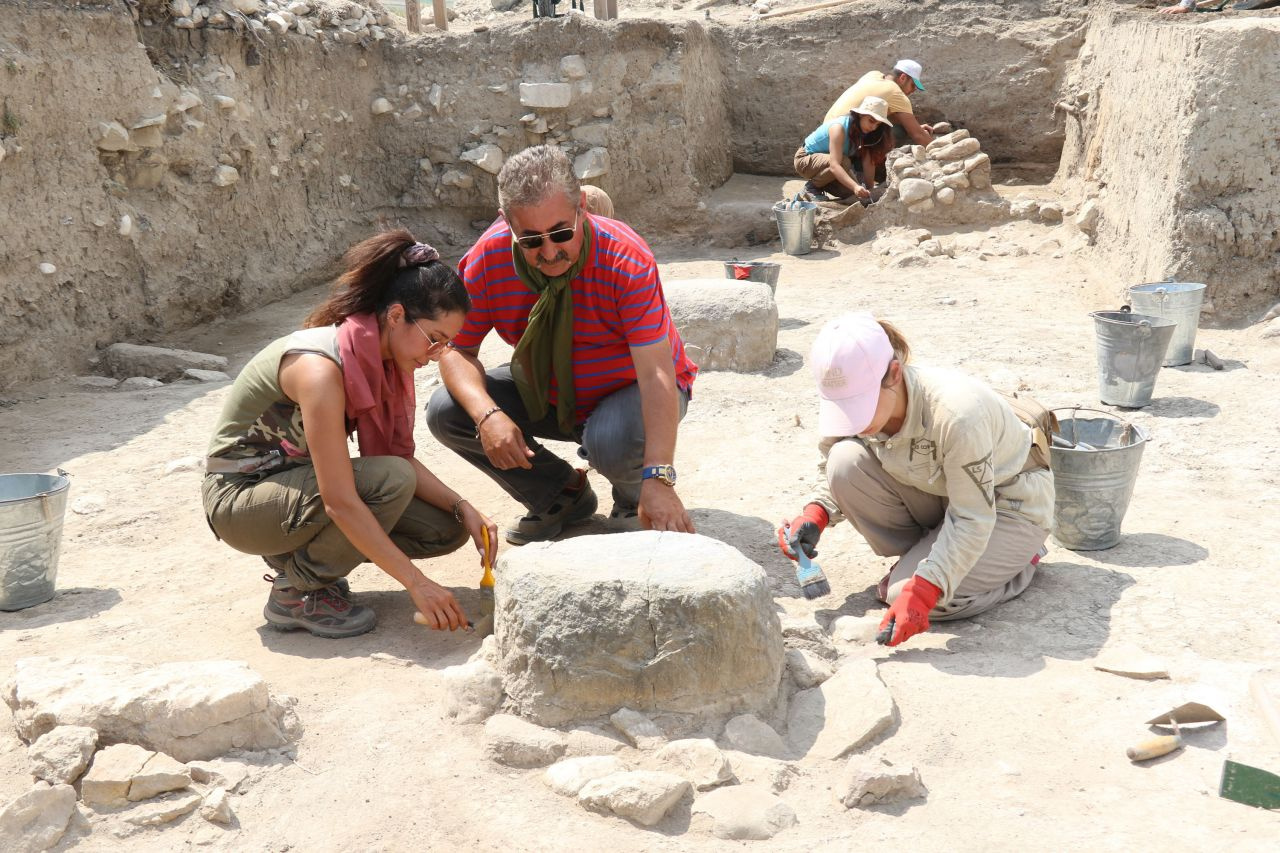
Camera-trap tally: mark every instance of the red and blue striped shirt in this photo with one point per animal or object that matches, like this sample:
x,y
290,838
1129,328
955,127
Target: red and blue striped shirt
x,y
617,304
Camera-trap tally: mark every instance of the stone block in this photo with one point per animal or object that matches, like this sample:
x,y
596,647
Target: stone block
x,y
488,157
472,691
572,67
742,813
546,96
454,178
644,796
216,807
515,742
225,176
139,383
946,196
869,781
113,769
734,324
111,136
697,759
648,620
943,141
807,669
957,151
912,190
1087,218
125,360
38,819
190,710
748,733
159,775
593,133
591,164
955,181
568,777
845,712
167,810
1050,211
586,741
641,731
61,755
760,770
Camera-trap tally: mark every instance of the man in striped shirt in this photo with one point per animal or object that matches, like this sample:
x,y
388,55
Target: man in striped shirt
x,y
597,359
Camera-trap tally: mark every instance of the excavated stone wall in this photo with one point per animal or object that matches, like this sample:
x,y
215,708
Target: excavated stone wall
x,y
993,68
1173,136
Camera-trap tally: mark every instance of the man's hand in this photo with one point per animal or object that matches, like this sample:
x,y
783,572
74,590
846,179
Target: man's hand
x,y
661,508
808,526
927,128
437,605
503,442
1175,10
475,521
909,613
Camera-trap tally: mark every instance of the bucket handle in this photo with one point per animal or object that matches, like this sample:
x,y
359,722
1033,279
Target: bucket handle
x,y
1126,432
46,505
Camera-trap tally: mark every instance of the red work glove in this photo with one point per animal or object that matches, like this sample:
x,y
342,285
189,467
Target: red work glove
x,y
809,525
909,613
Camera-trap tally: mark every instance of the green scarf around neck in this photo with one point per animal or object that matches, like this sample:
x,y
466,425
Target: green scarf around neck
x,y
546,347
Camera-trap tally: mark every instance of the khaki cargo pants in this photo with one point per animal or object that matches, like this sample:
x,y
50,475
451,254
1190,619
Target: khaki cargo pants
x,y
901,521
283,515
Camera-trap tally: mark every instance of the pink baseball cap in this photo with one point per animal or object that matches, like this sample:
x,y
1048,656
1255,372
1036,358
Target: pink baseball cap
x,y
849,360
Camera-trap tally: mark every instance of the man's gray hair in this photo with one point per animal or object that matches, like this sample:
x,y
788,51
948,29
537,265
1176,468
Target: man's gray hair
x,y
535,173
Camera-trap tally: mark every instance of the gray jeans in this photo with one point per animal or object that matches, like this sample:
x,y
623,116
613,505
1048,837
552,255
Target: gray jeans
x,y
283,515
901,521
612,440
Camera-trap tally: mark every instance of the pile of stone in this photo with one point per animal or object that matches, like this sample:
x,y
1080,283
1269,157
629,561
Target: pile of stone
x,y
665,677
935,174
343,22
135,367
146,745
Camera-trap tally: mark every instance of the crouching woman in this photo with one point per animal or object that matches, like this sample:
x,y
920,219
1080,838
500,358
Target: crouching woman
x,y
279,480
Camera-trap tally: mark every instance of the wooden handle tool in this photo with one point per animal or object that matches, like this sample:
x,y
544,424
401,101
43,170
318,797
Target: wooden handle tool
x,y
1156,746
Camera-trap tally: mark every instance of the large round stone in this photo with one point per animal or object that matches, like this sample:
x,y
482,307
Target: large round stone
x,y
649,621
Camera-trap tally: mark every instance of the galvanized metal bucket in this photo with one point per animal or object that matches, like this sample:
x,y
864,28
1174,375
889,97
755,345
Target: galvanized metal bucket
x,y
765,272
1095,459
1131,348
31,511
795,226
1173,300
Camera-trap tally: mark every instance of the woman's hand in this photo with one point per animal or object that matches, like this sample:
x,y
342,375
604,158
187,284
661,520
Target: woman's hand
x,y
475,521
437,605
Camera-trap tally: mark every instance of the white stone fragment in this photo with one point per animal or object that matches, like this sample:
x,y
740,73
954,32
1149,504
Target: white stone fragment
x,y
545,95
435,97
487,157
515,742
912,190
641,731
277,23
159,775
113,769
644,796
472,691
162,811
216,807
807,669
380,106
748,733
38,819
60,755
573,67
842,714
742,813
47,268
946,195
225,176
567,777
697,759
126,225
1087,218
591,164
869,781
111,136
413,113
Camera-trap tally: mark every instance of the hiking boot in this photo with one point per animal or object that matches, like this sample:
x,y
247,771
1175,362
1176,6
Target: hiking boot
x,y
576,502
624,518
812,193
324,612
277,561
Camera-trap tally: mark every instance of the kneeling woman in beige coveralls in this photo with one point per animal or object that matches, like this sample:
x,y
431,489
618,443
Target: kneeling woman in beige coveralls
x,y
930,466
280,482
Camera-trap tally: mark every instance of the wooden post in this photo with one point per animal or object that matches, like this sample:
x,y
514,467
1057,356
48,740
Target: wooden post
x,y
442,17
413,15
605,10
612,6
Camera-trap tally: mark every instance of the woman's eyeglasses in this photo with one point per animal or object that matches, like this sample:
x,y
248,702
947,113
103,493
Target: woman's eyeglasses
x,y
560,235
436,345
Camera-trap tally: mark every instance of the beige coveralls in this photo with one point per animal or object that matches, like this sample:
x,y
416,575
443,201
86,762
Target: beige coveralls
x,y
946,494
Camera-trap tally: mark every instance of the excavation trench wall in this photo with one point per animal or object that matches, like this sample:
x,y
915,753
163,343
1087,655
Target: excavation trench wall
x,y
1173,130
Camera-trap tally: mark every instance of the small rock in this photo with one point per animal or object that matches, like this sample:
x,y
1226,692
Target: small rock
x,y
854,629
180,8
919,154
946,300
977,161
946,195
572,67
802,628
435,97
697,759
126,225
472,691
60,755
1023,209
299,8
414,113
870,781
955,181
139,383
425,165
96,382
845,712
205,375
958,150
346,36
921,206
748,733
216,807
247,7
164,810
918,235
806,668
1050,211
47,268
932,248
545,95
113,768
591,164
1087,218
159,775
941,128
487,157
88,505
637,728
380,106
111,136
586,741
225,176
742,813
759,770
219,773
644,796
454,178
912,190
38,819
567,777
187,100
514,742
278,24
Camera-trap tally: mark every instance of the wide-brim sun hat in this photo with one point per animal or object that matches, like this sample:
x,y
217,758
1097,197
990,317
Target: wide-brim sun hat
x,y
877,108
849,360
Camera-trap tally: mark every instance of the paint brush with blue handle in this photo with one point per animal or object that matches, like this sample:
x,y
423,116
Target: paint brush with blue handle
x,y
813,583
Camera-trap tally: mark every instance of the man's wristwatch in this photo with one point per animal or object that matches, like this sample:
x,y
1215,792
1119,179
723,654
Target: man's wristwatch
x,y
661,473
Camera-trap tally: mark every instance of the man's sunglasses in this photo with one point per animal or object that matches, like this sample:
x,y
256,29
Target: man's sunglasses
x,y
560,235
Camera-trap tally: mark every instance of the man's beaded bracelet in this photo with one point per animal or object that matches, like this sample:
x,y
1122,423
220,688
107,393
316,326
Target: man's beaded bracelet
x,y
486,417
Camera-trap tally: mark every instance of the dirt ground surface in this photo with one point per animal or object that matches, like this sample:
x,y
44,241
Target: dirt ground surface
x,y
1019,740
